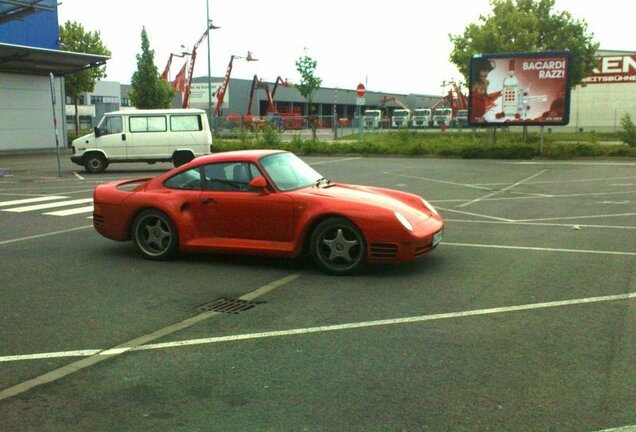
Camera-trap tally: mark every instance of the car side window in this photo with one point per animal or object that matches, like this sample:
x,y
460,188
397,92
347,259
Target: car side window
x,y
188,180
231,176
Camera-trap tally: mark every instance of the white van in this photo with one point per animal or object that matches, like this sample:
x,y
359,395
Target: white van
x,y
165,135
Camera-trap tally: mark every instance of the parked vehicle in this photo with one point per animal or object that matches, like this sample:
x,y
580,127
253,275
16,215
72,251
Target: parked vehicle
x,y
401,118
421,118
172,135
266,202
372,119
442,116
461,118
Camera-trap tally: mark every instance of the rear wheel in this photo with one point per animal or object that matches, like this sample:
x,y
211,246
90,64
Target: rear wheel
x,y
338,247
155,235
95,163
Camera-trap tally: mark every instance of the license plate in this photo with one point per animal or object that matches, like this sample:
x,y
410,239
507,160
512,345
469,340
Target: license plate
x,y
437,238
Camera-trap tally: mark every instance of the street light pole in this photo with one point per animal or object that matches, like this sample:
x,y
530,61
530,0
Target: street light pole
x,y
207,24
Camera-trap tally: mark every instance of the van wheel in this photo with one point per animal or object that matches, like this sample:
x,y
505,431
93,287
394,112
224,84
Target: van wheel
x,y
95,163
181,158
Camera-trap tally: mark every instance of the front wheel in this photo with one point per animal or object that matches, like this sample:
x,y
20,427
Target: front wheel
x,y
338,246
95,163
155,235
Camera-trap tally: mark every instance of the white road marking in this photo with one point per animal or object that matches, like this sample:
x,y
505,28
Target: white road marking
x,y
540,224
577,217
567,181
540,249
78,176
73,211
441,181
49,355
49,205
473,214
31,200
512,186
538,196
98,356
572,163
335,161
328,328
33,237
631,428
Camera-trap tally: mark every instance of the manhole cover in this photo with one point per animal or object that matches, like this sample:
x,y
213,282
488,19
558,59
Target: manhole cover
x,y
225,305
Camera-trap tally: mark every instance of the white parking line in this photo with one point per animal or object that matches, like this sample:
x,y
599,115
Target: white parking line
x,y
49,205
72,211
33,237
566,181
96,356
540,249
79,177
322,329
31,200
474,214
335,161
631,428
540,224
471,186
577,217
512,186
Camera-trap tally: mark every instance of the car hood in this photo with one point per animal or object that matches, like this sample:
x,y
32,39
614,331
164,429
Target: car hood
x,y
368,196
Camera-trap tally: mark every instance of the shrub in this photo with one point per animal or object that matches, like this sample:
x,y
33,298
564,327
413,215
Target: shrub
x,y
628,132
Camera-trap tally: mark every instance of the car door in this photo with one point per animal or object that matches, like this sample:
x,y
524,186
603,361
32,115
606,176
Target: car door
x,y
112,137
230,209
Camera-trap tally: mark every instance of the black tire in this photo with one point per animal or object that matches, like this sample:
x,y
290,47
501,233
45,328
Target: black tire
x,y
155,235
95,163
181,158
338,247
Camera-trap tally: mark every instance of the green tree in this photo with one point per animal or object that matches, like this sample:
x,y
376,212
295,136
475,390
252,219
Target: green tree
x,y
526,25
149,91
309,83
628,132
73,37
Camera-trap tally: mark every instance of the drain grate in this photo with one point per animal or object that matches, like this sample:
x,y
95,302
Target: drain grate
x,y
225,305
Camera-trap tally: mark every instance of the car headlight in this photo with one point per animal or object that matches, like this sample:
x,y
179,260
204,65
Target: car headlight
x,y
403,220
429,207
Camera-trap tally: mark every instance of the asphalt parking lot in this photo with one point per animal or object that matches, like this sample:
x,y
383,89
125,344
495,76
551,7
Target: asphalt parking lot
x,y
521,320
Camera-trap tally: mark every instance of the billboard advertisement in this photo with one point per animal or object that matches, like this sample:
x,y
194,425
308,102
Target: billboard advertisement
x,y
199,95
613,69
531,89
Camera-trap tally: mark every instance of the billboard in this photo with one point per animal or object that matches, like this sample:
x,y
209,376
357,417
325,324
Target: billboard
x,y
199,95
613,69
519,89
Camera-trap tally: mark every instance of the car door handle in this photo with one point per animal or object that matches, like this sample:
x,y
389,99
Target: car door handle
x,y
208,201
123,137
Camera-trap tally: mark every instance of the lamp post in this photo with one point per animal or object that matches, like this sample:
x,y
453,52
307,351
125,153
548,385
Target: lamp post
x,y
207,15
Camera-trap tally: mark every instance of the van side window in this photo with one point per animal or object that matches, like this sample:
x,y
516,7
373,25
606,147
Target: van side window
x,y
148,124
185,123
111,125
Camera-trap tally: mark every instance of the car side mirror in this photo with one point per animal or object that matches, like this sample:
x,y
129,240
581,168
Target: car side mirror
x,y
259,183
97,132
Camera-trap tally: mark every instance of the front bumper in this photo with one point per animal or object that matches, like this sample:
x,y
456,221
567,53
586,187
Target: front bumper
x,y
409,249
79,160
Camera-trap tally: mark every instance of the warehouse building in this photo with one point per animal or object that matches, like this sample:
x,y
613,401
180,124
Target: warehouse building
x,y
29,54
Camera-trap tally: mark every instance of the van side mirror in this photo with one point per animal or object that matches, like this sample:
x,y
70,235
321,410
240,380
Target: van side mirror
x,y
259,183
97,132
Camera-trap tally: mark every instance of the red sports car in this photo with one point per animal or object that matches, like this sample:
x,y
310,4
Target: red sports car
x,y
267,203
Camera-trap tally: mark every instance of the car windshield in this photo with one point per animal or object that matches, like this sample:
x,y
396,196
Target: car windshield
x,y
288,172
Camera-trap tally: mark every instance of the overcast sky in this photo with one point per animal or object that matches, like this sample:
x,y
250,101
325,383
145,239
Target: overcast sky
x,y
398,46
